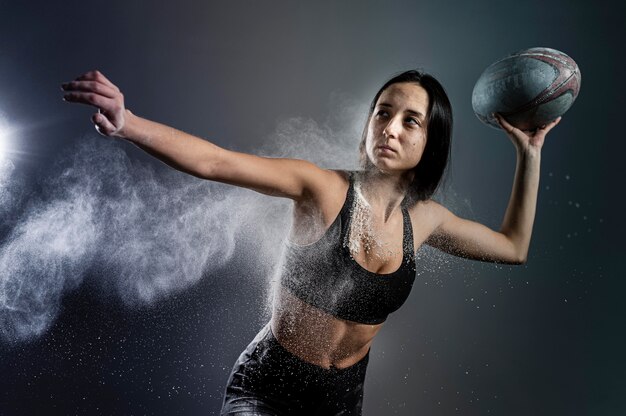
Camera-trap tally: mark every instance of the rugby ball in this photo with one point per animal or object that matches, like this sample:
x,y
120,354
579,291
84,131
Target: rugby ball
x,y
529,88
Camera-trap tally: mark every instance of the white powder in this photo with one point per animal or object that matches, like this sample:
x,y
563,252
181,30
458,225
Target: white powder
x,y
362,235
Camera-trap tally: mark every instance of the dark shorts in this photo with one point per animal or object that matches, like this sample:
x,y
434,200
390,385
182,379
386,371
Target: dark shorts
x,y
269,380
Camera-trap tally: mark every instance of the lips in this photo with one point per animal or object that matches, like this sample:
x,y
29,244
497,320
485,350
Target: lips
x,y
386,148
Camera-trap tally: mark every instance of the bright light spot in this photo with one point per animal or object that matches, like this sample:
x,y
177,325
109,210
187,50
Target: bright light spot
x,y
4,136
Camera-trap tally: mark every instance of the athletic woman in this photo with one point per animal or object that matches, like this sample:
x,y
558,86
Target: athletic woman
x,y
350,256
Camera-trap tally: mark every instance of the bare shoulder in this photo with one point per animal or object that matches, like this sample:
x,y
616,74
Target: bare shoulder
x,y
330,187
314,213
428,214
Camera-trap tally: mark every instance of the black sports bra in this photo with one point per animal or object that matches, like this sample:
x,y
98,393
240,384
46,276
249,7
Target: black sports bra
x,y
325,275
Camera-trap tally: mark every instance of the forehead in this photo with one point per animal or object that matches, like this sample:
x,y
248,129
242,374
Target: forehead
x,y
407,96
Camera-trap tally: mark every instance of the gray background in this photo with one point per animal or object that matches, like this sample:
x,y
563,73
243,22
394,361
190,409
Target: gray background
x,y
546,338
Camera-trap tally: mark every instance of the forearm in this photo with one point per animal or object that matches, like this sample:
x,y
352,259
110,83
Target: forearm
x,y
179,150
520,213
288,178
510,245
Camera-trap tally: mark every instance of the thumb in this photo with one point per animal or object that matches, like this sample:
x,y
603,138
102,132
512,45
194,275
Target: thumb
x,y
103,125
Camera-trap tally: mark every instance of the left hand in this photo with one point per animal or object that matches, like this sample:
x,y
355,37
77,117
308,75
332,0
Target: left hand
x,y
526,140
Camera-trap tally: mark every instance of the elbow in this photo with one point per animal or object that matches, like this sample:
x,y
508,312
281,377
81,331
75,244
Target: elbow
x,y
208,163
520,258
519,261
205,170
517,252
210,168
514,257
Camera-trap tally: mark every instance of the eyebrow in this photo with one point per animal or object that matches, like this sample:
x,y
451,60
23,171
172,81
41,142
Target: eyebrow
x,y
417,113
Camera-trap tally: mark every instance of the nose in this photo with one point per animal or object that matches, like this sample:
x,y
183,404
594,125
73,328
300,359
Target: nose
x,y
392,129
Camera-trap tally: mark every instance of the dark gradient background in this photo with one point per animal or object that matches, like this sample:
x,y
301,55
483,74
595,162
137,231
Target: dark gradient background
x,y
546,338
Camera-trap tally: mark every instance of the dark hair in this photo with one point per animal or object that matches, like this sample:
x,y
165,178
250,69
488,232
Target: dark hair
x,y
430,169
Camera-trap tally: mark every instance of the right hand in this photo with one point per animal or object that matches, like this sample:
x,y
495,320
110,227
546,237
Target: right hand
x,y
93,88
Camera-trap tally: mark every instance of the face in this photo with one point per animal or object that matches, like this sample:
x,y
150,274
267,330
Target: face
x,y
396,133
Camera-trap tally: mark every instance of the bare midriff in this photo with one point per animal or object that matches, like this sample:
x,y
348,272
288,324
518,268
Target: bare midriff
x,y
316,336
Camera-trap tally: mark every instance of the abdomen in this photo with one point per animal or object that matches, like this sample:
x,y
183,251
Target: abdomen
x,y
316,336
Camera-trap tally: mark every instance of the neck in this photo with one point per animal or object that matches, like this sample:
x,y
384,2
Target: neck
x,y
384,191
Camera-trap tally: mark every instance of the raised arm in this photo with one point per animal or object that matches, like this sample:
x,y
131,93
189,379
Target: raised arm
x,y
509,245
290,178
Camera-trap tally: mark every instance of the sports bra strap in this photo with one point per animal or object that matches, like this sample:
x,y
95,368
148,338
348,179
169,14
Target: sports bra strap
x,y
407,243
346,210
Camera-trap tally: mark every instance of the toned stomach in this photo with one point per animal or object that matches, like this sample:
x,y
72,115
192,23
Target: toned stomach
x,y
316,336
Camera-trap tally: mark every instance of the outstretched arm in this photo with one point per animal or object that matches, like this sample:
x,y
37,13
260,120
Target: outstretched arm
x,y
295,179
509,245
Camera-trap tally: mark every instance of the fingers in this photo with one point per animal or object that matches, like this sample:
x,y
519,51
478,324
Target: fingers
x,y
93,88
98,77
89,98
506,126
90,86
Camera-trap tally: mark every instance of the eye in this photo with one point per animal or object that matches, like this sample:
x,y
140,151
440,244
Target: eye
x,y
413,120
382,113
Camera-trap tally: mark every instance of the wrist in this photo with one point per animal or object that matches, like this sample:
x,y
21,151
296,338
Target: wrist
x,y
528,153
128,127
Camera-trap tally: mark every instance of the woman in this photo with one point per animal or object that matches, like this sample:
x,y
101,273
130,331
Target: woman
x,y
349,260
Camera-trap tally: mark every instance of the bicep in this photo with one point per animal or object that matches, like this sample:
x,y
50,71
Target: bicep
x,y
289,178
472,240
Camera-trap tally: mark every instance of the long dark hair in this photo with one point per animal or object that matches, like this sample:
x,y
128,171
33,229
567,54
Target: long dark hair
x,y
431,168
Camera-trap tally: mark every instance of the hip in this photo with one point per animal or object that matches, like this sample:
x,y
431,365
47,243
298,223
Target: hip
x,y
267,376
